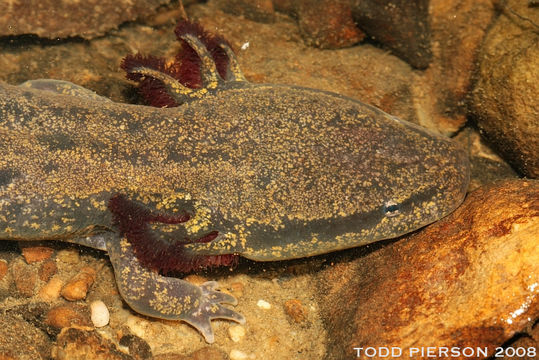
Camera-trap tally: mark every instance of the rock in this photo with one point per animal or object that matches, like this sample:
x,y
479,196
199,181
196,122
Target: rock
x,y
441,92
237,289
25,277
137,347
236,333
263,304
20,340
468,280
3,268
196,279
207,353
505,97
82,344
327,24
47,270
34,254
68,256
295,310
64,316
34,313
400,25
256,10
99,313
524,348
77,287
486,167
238,355
51,290
52,19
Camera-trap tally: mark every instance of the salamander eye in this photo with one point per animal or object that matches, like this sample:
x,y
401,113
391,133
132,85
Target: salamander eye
x,y
391,208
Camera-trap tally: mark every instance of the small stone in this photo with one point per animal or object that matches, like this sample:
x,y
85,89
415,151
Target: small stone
x,y
65,316
68,256
400,25
20,339
328,24
208,353
3,268
77,343
256,10
237,355
295,310
99,313
51,290
25,277
263,304
34,254
236,333
195,279
137,347
47,270
236,288
77,287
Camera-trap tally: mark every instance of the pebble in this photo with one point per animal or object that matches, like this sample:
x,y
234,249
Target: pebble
x,y
65,316
236,333
295,310
81,343
137,346
99,313
20,339
34,254
237,355
256,10
206,353
25,277
77,287
3,268
47,270
68,256
195,279
263,304
51,290
236,288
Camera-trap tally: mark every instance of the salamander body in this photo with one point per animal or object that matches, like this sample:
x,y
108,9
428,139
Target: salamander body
x,y
268,172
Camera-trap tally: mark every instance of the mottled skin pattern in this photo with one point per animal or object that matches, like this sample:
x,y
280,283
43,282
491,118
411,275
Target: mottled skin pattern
x,y
281,172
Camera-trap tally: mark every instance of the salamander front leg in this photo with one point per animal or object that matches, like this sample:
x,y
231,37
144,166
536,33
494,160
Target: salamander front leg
x,y
170,298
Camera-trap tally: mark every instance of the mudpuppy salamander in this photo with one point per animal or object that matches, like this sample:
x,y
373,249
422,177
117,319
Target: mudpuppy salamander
x,y
268,172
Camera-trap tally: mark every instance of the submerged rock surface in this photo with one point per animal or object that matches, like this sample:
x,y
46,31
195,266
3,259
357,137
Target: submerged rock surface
x,y
471,279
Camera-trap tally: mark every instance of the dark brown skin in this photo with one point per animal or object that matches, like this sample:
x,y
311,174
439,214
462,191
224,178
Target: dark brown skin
x,y
280,172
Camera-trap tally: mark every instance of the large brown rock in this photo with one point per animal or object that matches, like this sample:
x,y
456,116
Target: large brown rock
x,y
401,25
506,94
441,91
327,24
470,279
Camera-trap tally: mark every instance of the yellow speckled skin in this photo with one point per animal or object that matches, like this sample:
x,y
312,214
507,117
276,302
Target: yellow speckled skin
x,y
280,172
